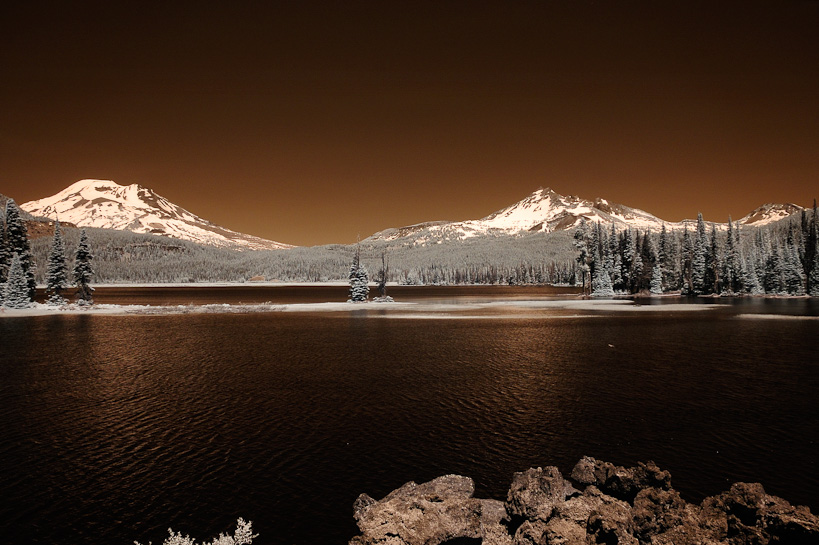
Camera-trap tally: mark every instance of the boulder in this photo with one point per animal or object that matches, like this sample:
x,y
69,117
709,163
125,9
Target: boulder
x,y
534,493
425,514
620,482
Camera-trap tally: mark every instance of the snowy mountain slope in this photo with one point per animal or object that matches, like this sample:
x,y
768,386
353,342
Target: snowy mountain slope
x,y
106,204
769,213
547,211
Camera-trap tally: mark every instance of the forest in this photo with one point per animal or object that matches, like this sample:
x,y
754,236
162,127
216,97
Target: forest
x,y
712,259
778,259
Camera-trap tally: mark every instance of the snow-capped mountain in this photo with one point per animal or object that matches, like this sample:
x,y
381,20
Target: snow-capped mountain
x,y
547,211
769,213
108,205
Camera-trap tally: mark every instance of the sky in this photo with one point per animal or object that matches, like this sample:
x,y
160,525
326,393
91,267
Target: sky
x,y
316,122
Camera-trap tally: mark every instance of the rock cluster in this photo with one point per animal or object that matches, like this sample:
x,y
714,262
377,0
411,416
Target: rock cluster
x,y
599,503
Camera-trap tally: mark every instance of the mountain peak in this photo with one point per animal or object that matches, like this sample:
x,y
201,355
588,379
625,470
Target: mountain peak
x,y
109,205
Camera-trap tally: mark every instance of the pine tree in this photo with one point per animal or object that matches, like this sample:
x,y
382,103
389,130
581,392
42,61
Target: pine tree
x,y
628,252
698,264
57,273
811,251
686,263
15,290
656,280
730,265
665,258
794,272
601,284
5,251
17,240
813,279
750,278
359,279
584,258
82,269
713,279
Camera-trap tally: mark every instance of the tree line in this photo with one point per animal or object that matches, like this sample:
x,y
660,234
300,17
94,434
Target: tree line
x,y
17,264
779,259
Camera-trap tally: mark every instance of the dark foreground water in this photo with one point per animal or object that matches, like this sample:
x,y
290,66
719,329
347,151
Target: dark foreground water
x,y
116,427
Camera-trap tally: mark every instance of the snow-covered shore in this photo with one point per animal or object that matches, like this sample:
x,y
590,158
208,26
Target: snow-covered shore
x,y
418,310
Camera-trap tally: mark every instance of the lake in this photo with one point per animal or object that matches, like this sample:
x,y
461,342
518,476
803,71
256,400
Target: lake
x,y
117,427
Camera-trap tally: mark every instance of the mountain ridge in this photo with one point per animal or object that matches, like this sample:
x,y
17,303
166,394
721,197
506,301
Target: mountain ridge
x,y
138,209
546,211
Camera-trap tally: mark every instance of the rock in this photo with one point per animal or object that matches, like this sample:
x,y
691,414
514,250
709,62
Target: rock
x,y
425,514
535,492
611,521
620,482
627,506
494,531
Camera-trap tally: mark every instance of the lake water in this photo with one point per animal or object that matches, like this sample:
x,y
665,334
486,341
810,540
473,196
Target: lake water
x,y
117,427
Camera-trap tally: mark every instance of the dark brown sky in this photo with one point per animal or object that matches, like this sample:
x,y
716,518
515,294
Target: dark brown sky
x,y
308,123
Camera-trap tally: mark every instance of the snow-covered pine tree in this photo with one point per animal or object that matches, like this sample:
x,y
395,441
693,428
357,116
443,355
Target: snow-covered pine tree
x,y
713,263
15,290
601,283
601,279
5,252
730,264
774,280
813,243
17,240
584,257
656,280
794,272
665,258
359,279
82,269
750,278
686,261
638,268
57,273
698,264
628,251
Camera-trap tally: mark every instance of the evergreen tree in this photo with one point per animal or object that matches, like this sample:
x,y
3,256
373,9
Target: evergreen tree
x,y
5,251
813,279
794,272
811,246
616,275
15,290
656,280
57,274
82,269
359,279
665,258
698,263
628,253
17,240
774,280
713,280
686,263
731,263
601,284
750,278
584,258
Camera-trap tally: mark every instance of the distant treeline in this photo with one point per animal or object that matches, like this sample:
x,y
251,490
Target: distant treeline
x,y
121,256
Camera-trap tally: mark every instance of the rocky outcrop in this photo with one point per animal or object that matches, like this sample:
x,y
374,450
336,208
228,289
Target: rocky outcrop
x,y
599,503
